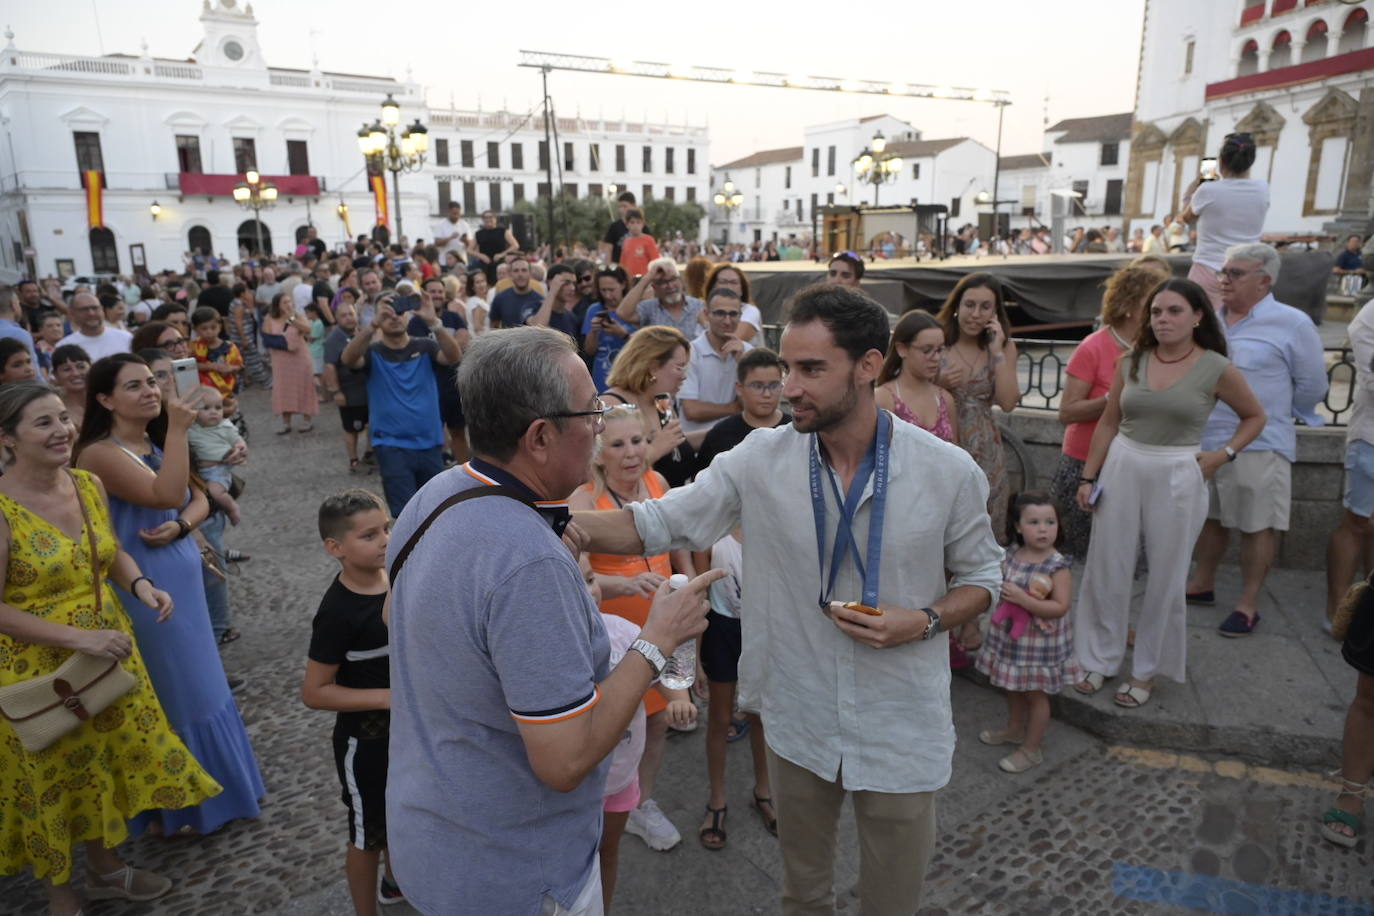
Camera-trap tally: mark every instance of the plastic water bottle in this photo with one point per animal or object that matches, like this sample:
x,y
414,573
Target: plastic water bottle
x,y
681,670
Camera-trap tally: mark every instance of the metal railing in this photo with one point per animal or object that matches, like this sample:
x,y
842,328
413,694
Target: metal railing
x,y
1041,366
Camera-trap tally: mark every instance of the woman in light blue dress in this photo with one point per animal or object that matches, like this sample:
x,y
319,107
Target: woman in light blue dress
x,y
123,436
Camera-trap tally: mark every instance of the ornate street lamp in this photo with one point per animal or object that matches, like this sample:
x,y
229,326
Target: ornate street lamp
x,y
728,199
875,166
387,146
257,195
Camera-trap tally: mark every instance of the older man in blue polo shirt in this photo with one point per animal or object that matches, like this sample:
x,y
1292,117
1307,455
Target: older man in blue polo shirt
x,y
1276,348
503,705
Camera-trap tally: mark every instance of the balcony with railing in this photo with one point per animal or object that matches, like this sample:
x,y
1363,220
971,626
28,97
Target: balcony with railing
x,y
510,120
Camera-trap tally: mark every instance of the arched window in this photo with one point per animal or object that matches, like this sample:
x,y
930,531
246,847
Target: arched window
x,y
1281,55
1315,48
104,254
1355,34
301,232
1249,59
248,236
198,241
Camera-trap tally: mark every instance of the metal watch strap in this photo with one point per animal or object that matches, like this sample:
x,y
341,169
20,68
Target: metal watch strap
x,y
651,654
933,627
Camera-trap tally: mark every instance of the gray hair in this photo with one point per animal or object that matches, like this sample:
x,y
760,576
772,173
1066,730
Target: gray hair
x,y
1267,257
661,262
508,379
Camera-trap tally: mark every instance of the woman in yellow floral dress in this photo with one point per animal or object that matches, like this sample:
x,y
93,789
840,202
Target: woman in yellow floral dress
x,y
85,786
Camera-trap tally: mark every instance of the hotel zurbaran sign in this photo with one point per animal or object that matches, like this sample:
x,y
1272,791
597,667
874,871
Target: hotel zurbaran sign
x,y
453,177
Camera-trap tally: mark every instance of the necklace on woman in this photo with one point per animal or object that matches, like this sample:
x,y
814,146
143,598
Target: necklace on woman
x,y
620,501
1170,362
1121,342
122,444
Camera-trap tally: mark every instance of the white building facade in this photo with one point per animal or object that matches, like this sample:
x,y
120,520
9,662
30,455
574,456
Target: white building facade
x,y
182,133
784,189
1297,74
1087,156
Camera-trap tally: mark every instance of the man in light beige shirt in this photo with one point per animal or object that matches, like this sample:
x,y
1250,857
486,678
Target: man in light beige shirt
x,y
851,703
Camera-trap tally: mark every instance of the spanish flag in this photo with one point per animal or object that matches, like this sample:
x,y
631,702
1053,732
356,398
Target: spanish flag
x,y
379,193
95,211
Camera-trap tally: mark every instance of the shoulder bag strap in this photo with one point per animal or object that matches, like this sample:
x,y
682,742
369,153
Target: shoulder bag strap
x,y
89,529
439,510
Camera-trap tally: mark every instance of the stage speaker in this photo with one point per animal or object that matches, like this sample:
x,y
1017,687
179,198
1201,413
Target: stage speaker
x,y
986,230
522,225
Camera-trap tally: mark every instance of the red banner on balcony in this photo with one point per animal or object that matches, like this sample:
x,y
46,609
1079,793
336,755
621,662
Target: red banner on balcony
x,y
1295,74
223,185
95,207
379,194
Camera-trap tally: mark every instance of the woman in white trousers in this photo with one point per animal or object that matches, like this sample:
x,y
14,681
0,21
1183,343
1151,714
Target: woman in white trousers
x,y
1145,476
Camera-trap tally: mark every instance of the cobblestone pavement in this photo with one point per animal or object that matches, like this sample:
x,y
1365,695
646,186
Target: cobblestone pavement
x,y
1095,830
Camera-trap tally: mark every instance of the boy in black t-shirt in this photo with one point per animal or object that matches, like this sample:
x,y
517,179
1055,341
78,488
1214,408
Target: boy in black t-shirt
x,y
348,671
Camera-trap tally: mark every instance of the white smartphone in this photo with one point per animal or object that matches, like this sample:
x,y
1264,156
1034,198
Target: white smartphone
x,y
187,377
1095,494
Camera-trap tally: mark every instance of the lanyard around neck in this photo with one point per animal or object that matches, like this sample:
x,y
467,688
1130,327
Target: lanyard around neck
x,y
875,465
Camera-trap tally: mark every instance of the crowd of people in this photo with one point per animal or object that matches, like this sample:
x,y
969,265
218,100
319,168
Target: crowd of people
x,y
627,426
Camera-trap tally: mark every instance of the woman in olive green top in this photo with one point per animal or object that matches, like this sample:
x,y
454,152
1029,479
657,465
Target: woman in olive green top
x,y
1145,475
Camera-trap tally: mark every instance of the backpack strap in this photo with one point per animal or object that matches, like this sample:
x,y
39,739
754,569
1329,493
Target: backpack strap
x,y
439,510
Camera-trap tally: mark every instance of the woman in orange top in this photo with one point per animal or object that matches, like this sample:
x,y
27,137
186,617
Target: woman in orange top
x,y
622,475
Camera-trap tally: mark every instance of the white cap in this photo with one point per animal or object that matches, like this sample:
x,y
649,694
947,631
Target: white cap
x,y
677,580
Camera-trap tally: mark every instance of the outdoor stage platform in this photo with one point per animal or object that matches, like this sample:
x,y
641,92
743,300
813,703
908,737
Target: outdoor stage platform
x,y
1054,294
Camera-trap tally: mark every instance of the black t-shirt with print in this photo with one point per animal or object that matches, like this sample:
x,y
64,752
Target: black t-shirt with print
x,y
348,631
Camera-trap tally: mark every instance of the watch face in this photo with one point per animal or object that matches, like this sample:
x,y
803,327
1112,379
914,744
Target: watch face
x,y
233,50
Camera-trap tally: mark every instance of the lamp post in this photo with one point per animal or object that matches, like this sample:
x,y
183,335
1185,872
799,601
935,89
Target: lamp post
x,y
257,195
729,200
387,145
876,166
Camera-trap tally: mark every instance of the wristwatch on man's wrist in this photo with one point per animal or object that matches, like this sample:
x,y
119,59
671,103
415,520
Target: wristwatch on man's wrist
x,y
651,654
933,627
1230,452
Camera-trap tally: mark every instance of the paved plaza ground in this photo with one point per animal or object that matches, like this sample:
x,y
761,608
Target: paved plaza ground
x,y
1103,827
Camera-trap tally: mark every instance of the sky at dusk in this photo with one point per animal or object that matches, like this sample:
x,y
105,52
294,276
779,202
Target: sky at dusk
x,y
1081,54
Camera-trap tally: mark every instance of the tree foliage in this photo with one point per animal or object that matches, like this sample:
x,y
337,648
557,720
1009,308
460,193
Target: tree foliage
x,y
585,219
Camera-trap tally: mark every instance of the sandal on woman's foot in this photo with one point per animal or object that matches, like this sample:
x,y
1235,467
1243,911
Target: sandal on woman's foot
x,y
229,636
1335,818
1133,696
737,730
306,428
1004,736
712,836
1020,760
283,430
353,466
770,818
1093,682
128,883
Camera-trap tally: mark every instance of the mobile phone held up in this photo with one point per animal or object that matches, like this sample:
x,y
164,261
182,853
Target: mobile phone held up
x,y
403,304
1208,171
187,377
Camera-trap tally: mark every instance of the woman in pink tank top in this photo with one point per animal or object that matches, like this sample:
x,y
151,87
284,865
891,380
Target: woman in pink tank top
x,y
906,385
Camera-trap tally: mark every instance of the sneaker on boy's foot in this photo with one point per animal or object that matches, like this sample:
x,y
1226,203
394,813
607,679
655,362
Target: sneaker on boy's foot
x,y
388,893
649,824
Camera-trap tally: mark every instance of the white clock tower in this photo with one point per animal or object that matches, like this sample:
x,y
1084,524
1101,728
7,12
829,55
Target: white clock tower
x,y
231,40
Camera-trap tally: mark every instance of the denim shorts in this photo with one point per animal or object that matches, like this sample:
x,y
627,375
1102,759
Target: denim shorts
x,y
1359,478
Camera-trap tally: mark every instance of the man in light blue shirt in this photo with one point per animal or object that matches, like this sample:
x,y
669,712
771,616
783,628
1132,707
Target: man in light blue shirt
x,y
9,327
1278,351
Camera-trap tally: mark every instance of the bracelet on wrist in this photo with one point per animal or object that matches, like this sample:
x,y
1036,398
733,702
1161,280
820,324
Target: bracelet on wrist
x,y
1083,480
185,527
133,586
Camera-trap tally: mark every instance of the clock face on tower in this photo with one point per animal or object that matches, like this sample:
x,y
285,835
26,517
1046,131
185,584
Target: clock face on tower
x,y
233,50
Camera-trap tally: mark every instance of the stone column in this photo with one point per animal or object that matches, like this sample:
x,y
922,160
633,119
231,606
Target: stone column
x,y
1357,199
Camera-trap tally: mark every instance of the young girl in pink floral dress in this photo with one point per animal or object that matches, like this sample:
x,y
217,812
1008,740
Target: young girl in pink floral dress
x,y
1030,659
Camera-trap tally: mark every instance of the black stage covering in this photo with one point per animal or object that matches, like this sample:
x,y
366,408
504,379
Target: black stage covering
x,y
1049,290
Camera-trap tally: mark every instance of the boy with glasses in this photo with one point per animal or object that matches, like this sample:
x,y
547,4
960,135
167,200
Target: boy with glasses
x,y
759,389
